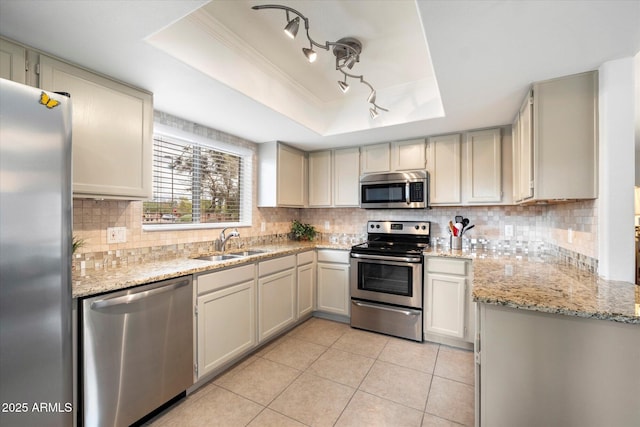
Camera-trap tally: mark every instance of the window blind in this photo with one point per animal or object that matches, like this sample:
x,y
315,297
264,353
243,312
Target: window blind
x,y
198,183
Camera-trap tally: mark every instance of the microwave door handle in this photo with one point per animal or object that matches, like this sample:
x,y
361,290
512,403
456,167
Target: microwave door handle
x,y
407,194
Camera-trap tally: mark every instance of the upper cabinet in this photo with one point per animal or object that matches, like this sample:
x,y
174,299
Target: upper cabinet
x,y
443,165
111,133
468,169
13,62
395,156
408,155
556,152
282,176
334,178
484,167
375,158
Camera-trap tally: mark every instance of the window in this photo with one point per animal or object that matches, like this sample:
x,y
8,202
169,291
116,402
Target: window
x,y
197,183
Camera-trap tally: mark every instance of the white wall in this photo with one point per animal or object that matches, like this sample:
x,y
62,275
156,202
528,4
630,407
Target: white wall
x,y
616,243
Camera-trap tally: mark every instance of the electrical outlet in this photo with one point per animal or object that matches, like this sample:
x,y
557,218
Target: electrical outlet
x,y
570,235
508,230
116,235
263,226
326,225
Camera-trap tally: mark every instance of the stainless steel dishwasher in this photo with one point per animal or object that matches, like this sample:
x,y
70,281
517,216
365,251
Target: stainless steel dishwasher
x,y
137,351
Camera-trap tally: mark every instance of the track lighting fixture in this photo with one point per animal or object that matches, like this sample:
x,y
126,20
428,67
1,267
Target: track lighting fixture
x,y
344,87
310,53
292,26
346,50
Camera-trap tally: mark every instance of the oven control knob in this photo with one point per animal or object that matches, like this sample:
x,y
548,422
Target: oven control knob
x,y
417,227
373,226
424,227
377,225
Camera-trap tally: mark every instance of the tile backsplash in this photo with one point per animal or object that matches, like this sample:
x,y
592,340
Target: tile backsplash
x,y
568,229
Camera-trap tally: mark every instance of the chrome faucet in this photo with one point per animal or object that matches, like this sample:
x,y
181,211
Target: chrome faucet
x,y
224,238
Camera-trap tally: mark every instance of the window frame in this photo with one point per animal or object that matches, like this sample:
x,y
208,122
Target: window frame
x,y
246,184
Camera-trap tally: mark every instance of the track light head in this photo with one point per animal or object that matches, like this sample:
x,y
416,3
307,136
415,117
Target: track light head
x,y
344,87
291,29
372,97
310,54
374,113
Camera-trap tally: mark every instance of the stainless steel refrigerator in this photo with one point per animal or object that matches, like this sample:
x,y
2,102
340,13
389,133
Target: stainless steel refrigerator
x,y
35,257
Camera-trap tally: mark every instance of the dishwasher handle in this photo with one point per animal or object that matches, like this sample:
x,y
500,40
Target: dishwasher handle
x,y
129,298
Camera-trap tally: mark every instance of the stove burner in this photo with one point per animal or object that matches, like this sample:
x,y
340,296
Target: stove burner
x,y
395,238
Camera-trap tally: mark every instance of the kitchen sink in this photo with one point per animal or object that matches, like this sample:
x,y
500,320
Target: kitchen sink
x,y
248,253
219,257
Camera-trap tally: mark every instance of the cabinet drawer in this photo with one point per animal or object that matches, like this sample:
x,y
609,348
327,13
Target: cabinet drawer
x,y
447,266
305,257
332,255
221,279
275,265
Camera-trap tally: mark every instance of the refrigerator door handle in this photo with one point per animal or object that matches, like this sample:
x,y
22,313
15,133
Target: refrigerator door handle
x,y
128,299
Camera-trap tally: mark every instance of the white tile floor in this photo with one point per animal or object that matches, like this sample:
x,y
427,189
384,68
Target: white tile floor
x,y
324,373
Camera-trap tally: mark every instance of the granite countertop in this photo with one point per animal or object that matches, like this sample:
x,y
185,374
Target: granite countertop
x,y
108,279
527,281
539,282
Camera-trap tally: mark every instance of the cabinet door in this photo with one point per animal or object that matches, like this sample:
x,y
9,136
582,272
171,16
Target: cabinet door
x,y
276,302
526,150
320,182
112,132
375,158
445,305
13,62
515,159
565,128
291,179
346,172
333,288
443,164
408,155
306,289
484,166
225,325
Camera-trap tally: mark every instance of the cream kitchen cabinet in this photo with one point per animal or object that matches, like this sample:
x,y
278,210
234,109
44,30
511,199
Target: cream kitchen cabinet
x,y
408,155
375,158
483,170
306,269
112,132
276,296
333,282
448,312
334,179
444,167
557,146
225,317
466,169
396,156
282,176
346,177
13,62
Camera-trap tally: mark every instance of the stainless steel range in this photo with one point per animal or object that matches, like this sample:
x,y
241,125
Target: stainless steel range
x,y
387,278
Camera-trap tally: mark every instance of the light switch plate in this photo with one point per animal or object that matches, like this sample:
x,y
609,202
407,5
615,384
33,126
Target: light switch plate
x,y
116,235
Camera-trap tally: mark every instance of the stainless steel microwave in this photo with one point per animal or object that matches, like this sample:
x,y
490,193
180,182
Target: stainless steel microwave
x,y
397,190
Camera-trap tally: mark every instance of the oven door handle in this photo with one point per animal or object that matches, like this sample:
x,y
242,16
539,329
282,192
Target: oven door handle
x,y
381,307
386,258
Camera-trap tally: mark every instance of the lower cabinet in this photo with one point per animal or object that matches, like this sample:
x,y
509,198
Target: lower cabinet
x,y
225,317
276,295
306,283
448,310
333,281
